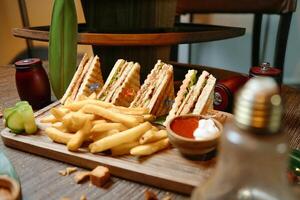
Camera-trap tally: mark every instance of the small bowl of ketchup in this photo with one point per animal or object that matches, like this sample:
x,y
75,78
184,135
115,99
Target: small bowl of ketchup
x,y
181,134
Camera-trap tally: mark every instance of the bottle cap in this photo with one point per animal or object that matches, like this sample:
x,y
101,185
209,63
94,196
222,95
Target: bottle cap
x,y
258,106
28,63
265,69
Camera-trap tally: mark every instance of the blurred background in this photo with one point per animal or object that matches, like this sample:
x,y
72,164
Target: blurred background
x,y
233,54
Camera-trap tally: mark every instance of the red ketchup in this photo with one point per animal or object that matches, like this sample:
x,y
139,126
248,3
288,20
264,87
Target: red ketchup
x,y
185,127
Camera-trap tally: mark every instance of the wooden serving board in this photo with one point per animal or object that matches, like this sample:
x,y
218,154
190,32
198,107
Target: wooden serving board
x,y
166,169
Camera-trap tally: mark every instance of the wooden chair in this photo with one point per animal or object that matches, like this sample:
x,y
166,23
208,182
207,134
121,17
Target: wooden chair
x,y
283,8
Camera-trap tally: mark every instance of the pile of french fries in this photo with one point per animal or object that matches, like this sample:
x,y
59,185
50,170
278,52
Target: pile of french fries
x,y
105,126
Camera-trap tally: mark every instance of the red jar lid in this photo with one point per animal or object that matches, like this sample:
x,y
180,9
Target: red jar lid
x,y
28,63
265,70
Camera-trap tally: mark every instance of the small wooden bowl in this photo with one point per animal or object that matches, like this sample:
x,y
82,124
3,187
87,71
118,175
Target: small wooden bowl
x,y
9,188
192,148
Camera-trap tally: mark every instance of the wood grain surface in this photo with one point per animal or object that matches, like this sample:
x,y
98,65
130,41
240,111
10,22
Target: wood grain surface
x,y
181,34
167,169
40,179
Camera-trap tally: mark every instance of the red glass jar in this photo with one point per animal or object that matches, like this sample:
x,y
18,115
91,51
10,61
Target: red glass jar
x,y
32,82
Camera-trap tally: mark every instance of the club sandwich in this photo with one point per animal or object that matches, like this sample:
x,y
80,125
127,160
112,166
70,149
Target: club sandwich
x,y
86,80
122,83
194,96
157,92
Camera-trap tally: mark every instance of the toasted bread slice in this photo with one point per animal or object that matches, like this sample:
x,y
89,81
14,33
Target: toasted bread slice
x,y
205,99
166,103
126,92
81,77
160,94
75,78
160,86
143,95
125,69
191,100
122,84
92,81
112,78
157,88
181,94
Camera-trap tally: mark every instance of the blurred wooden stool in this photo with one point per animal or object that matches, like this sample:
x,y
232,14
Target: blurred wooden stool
x,y
283,8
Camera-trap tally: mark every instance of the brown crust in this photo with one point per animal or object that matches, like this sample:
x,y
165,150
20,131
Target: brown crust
x,y
80,79
179,97
194,94
125,69
126,92
166,103
147,86
75,78
185,101
93,75
119,63
205,95
166,74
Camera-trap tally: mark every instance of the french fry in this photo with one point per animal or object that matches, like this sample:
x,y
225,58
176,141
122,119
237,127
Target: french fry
x,y
49,119
63,109
60,126
66,120
149,117
120,138
82,97
68,101
148,149
93,96
130,111
80,136
74,121
100,135
77,105
58,136
108,126
123,149
154,128
127,120
153,136
99,121
57,113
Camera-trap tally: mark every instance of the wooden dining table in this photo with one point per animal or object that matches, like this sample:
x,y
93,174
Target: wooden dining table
x,y
40,178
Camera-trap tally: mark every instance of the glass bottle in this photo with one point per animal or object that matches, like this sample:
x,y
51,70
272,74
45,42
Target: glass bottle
x,y
9,180
252,163
33,83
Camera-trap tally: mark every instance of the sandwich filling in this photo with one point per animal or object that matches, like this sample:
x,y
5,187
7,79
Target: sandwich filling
x,y
88,74
116,72
75,78
123,77
143,96
153,91
92,81
193,95
205,100
191,99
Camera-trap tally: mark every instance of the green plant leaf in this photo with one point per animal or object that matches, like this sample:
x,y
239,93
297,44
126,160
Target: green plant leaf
x,y
62,45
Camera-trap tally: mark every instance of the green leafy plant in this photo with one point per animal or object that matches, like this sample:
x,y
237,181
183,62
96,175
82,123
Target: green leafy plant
x,y
62,45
